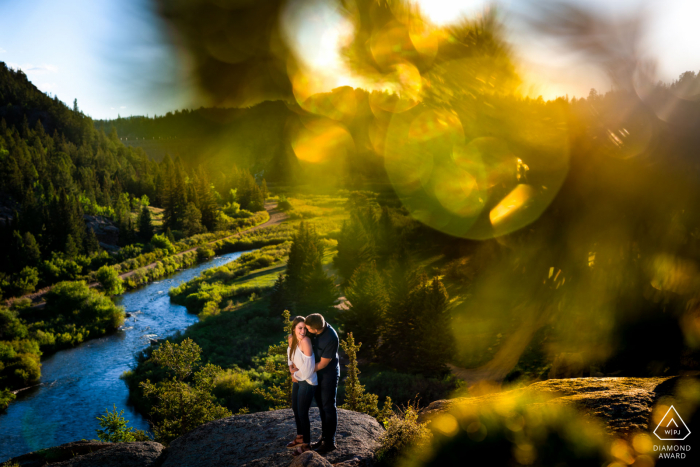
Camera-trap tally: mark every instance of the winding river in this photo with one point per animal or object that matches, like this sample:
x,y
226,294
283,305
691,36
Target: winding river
x,y
78,384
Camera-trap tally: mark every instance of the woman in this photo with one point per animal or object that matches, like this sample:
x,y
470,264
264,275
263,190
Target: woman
x,y
301,361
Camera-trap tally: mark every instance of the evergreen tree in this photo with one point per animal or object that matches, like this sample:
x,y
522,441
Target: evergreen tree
x,y
418,336
356,399
368,299
145,225
207,201
92,245
257,200
306,284
192,220
278,298
263,189
71,248
31,250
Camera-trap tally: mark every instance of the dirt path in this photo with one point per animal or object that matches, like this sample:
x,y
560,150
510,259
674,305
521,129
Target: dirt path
x,y
276,218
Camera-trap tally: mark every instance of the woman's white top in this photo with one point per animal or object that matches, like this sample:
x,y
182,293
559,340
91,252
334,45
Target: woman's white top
x,y
306,365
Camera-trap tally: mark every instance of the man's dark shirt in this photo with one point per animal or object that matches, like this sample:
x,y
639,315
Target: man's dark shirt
x,y
326,346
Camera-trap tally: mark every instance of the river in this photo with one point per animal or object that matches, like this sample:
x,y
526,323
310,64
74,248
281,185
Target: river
x,y
78,384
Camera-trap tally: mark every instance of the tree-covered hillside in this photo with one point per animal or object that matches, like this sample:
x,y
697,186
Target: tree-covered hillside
x,y
59,173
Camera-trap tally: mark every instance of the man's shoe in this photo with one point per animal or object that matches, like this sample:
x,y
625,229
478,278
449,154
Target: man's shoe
x,y
325,448
317,445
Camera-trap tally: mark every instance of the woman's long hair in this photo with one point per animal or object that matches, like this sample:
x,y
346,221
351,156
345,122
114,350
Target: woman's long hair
x,y
295,341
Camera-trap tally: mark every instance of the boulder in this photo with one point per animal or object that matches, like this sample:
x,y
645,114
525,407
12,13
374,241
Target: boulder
x,y
623,404
141,454
93,454
310,459
105,231
259,439
59,453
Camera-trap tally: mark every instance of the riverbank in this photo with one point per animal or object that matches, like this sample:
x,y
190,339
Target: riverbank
x,y
37,331
274,217
79,383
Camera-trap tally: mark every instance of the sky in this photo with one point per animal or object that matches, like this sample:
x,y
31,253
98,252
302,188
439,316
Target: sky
x,y
111,55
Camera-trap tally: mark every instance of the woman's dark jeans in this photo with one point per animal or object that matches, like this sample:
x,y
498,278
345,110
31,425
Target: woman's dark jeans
x,y
302,395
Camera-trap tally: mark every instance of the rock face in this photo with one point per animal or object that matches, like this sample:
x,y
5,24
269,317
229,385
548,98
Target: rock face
x,y
142,454
93,454
259,440
310,459
105,231
623,404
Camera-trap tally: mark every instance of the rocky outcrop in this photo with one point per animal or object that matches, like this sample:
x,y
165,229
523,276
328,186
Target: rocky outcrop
x,y
93,454
259,439
310,459
105,231
623,404
142,454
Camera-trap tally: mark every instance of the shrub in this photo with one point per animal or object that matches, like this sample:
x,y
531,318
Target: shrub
x,y
402,431
204,253
6,396
161,241
82,305
181,406
109,280
283,204
236,389
114,429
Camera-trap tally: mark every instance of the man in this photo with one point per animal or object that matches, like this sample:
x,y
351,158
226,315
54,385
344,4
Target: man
x,y
325,344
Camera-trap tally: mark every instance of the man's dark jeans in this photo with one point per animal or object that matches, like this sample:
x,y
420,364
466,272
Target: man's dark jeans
x,y
302,395
325,400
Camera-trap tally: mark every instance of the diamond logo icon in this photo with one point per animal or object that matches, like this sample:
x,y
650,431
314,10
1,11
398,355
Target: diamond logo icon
x,y
672,427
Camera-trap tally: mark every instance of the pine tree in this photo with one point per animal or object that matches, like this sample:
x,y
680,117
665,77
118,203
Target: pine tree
x,y
71,248
92,245
434,320
192,220
31,250
278,298
207,202
368,299
356,399
418,336
306,283
145,225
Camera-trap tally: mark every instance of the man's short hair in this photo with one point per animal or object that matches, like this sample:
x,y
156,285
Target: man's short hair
x,y
315,321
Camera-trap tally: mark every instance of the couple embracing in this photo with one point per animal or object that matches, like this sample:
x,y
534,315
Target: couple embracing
x,y
312,357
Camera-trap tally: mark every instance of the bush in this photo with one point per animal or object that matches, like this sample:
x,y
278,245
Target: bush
x,y
283,204
243,214
109,280
161,241
182,406
6,396
402,431
81,305
204,253
236,390
114,429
